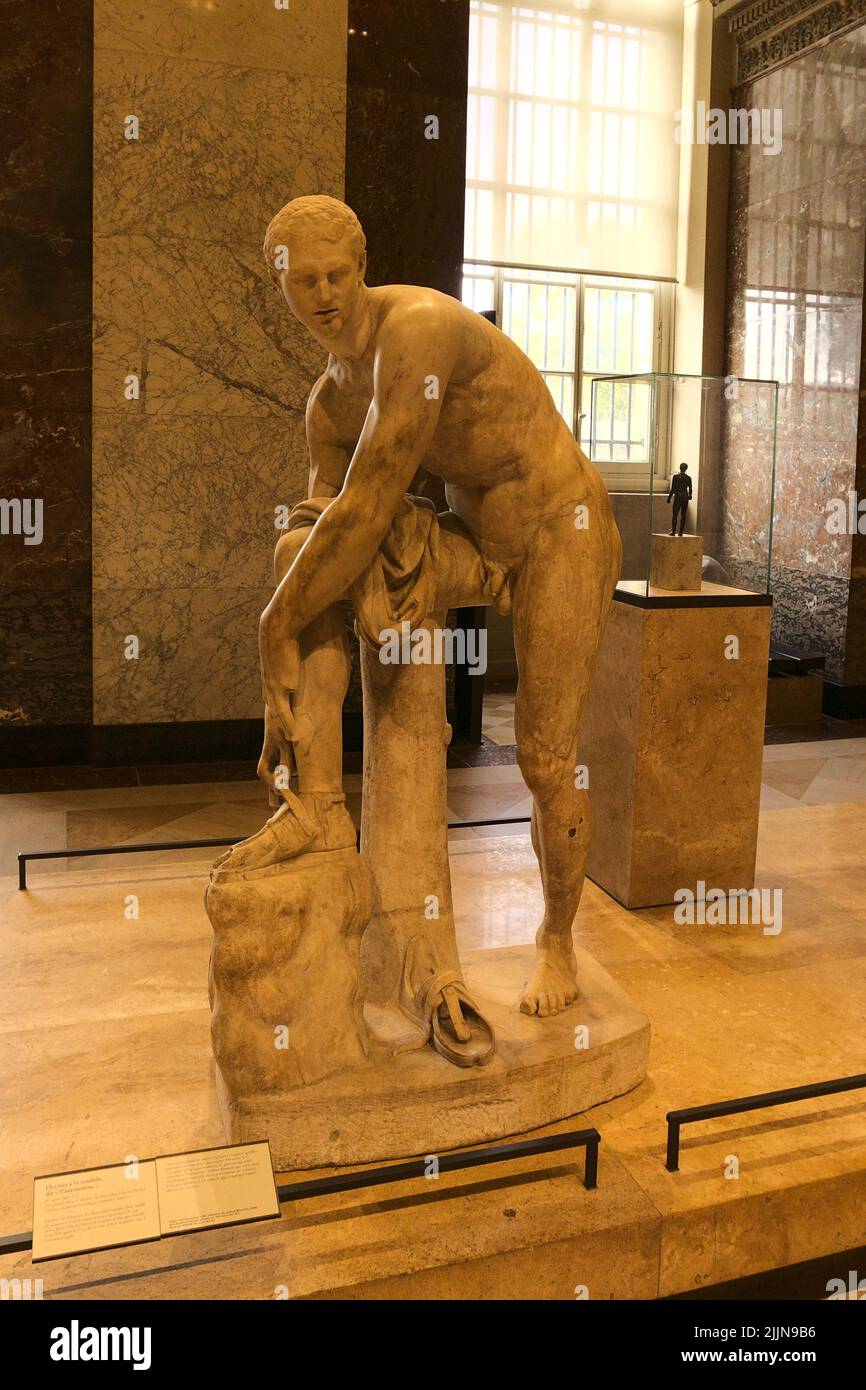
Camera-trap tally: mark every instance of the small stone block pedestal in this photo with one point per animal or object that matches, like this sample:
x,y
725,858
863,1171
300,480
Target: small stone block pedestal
x,y
676,562
672,738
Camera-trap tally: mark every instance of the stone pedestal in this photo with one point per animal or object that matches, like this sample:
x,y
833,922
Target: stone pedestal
x,y
672,738
675,562
417,1103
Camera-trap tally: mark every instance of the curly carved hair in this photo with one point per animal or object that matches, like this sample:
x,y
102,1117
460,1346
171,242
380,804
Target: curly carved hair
x,y
317,215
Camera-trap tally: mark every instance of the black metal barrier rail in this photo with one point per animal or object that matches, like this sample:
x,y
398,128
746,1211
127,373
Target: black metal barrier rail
x,y
588,1139
677,1118
23,859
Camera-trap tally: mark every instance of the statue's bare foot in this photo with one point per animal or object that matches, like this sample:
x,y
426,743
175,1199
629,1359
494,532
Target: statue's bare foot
x,y
552,985
301,825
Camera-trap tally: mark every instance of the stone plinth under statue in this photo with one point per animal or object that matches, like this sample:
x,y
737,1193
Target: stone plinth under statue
x,y
386,1106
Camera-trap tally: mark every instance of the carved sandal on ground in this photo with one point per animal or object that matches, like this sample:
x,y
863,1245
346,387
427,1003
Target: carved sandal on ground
x,y
440,1002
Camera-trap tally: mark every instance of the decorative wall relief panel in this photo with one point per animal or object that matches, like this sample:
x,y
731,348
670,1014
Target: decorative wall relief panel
x,y
771,32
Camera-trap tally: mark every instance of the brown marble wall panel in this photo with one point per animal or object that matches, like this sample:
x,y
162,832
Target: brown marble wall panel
x,y
855,631
407,62
189,575
46,454
184,541
202,327
737,469
795,313
220,144
302,39
241,107
45,265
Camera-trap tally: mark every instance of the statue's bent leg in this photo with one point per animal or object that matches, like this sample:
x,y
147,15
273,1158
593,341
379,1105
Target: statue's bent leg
x,y
561,595
317,818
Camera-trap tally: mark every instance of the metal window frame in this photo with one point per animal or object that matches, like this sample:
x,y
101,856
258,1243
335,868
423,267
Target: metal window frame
x,y
632,475
622,476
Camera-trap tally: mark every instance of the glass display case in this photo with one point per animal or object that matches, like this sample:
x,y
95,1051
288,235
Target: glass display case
x,y
690,463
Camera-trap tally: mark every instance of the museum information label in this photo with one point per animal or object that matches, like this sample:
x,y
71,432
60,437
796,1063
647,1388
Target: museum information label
x,y
216,1187
94,1210
102,1208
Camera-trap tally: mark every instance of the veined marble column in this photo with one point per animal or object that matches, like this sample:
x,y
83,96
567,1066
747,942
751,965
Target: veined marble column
x,y
240,107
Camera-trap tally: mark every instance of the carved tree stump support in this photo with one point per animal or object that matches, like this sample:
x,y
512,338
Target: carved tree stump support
x,y
404,825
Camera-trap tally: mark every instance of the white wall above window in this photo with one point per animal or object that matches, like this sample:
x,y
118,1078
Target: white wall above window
x,y
571,156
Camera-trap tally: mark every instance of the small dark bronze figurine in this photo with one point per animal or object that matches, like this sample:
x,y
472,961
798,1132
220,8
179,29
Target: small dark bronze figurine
x,y
681,491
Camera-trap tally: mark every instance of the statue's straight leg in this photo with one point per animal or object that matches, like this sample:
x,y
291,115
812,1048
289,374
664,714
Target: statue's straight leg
x,y
561,594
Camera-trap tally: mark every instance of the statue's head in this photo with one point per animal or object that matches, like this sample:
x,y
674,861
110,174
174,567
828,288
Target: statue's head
x,y
316,253
684,468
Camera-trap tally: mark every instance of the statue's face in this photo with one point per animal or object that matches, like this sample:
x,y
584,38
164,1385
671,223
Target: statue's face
x,y
322,284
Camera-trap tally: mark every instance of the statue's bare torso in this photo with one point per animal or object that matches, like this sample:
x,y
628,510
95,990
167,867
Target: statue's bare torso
x,y
505,454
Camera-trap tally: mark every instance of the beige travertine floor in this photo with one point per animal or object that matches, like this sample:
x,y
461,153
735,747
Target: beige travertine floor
x,y
105,1052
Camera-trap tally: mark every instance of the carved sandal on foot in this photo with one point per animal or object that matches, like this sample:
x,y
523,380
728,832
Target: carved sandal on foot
x,y
286,834
460,1034
449,1017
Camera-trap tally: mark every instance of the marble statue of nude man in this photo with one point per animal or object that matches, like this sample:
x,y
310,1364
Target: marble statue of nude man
x,y
416,378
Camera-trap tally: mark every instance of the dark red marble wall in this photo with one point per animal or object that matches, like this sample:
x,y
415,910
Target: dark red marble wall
x,y
407,63
45,316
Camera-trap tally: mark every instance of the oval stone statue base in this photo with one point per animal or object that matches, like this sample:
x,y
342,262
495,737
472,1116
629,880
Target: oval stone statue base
x,y
545,1069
